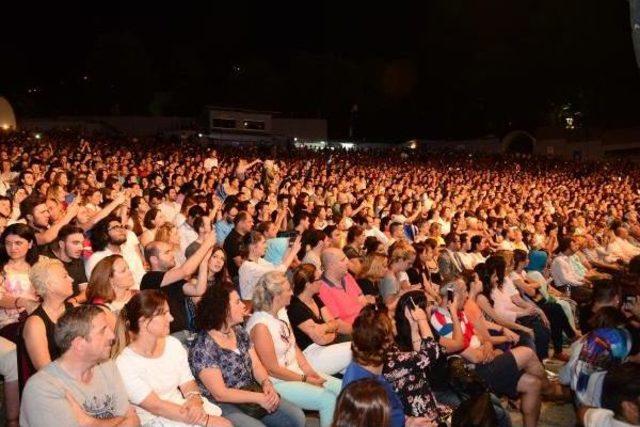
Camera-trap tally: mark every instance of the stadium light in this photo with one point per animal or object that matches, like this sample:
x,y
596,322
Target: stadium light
x,y
38,136
5,126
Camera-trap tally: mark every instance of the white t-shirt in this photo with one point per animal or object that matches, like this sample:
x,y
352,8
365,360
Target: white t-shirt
x,y
161,375
129,253
502,303
284,342
600,417
251,271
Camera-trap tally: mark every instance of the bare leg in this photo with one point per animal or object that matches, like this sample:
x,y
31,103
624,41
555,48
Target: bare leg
x,y
529,388
12,403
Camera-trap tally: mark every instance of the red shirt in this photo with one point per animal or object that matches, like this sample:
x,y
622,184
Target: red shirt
x,y
342,299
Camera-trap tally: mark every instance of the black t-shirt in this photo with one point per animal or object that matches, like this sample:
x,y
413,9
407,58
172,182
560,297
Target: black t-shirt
x,y
298,313
175,297
368,287
75,269
231,247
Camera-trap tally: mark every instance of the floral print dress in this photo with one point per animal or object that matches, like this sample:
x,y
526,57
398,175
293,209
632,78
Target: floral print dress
x,y
409,372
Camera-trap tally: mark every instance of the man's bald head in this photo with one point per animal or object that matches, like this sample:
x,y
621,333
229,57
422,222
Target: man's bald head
x,y
334,262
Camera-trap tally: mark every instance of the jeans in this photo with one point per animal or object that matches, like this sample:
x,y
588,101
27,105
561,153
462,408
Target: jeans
x,y
330,359
559,324
541,335
287,415
311,397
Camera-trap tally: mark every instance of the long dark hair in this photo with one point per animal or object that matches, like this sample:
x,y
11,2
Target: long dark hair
x,y
222,277
497,264
25,232
484,273
362,403
403,328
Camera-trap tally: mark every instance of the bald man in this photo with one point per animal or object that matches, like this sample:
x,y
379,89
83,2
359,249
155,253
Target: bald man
x,y
339,291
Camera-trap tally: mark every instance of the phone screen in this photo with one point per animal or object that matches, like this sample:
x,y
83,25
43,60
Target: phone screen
x,y
450,294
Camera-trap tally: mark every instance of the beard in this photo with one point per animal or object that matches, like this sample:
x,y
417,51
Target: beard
x,y
117,241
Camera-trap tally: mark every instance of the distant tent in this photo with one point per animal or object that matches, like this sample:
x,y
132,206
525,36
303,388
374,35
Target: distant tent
x,y
7,118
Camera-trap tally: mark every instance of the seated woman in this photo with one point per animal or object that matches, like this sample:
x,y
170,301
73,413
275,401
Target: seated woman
x,y
227,368
372,337
426,262
18,252
557,319
217,273
415,361
110,286
391,285
536,271
254,265
501,337
503,303
315,329
362,403
36,345
293,376
374,267
517,373
155,369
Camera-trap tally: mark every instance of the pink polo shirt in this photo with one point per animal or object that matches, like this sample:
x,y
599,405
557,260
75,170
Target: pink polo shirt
x,y
342,300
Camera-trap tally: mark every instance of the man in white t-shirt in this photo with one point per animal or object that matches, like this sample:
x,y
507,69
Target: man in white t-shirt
x,y
110,237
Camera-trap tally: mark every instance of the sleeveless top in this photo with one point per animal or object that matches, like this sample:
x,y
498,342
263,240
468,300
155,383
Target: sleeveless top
x,y
25,366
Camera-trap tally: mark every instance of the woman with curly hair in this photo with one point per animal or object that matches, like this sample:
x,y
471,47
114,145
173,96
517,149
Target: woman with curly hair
x,y
372,339
227,368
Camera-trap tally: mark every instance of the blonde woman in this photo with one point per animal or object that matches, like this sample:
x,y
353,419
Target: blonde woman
x,y
292,375
168,233
374,268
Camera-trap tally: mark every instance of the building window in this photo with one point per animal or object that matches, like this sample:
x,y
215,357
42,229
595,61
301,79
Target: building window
x,y
223,123
254,125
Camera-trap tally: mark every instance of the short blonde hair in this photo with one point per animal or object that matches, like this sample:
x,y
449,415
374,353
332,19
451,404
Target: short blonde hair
x,y
39,273
267,288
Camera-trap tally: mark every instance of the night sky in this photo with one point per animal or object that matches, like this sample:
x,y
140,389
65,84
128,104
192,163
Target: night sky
x,y
432,69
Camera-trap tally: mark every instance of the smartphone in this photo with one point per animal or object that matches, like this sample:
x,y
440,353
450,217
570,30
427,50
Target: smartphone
x,y
450,294
630,300
413,302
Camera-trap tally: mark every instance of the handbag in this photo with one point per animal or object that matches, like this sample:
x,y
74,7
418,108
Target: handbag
x,y
252,409
476,408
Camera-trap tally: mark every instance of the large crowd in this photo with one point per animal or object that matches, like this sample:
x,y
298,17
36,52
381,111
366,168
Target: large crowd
x,y
149,282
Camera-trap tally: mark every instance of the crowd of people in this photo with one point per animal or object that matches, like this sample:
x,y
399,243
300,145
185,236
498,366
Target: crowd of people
x,y
152,283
